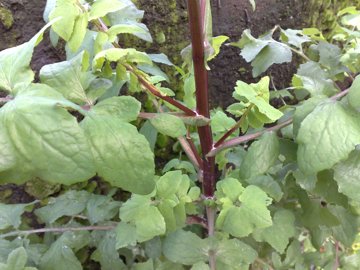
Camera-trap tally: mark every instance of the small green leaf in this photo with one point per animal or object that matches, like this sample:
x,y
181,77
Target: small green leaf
x,y
10,215
294,37
69,204
161,58
79,32
216,43
106,253
125,29
68,11
60,255
279,234
200,266
122,55
169,125
262,52
125,235
111,137
125,108
328,124
102,7
252,213
101,208
185,248
253,4
261,155
354,94
267,184
146,218
230,188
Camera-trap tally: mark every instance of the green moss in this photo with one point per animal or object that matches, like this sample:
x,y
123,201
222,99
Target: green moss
x,y
6,17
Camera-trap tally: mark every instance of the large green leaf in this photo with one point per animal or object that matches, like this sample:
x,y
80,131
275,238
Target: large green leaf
x,y
250,215
78,35
261,155
321,137
122,156
347,175
279,234
169,125
47,141
185,248
15,64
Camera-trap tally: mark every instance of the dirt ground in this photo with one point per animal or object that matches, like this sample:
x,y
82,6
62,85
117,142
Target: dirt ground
x,y
230,19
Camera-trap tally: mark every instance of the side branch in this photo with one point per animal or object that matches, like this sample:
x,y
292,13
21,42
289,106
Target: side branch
x,y
250,137
144,82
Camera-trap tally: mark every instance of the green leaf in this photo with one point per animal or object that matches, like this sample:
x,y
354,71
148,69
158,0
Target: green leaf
x,y
47,141
279,234
133,168
216,43
15,64
235,253
326,126
147,219
161,58
106,253
200,266
122,55
185,248
261,155
69,204
101,208
60,255
347,175
126,29
125,235
79,32
149,265
267,184
303,110
102,7
252,213
294,37
68,11
125,108
169,125
220,122
17,260
313,78
230,188
69,78
354,94
262,52
10,215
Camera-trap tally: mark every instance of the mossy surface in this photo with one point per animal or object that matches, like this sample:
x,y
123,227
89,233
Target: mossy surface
x,y
6,17
323,13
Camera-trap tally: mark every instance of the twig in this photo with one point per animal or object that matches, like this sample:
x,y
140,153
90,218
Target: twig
x,y
189,152
336,263
190,220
